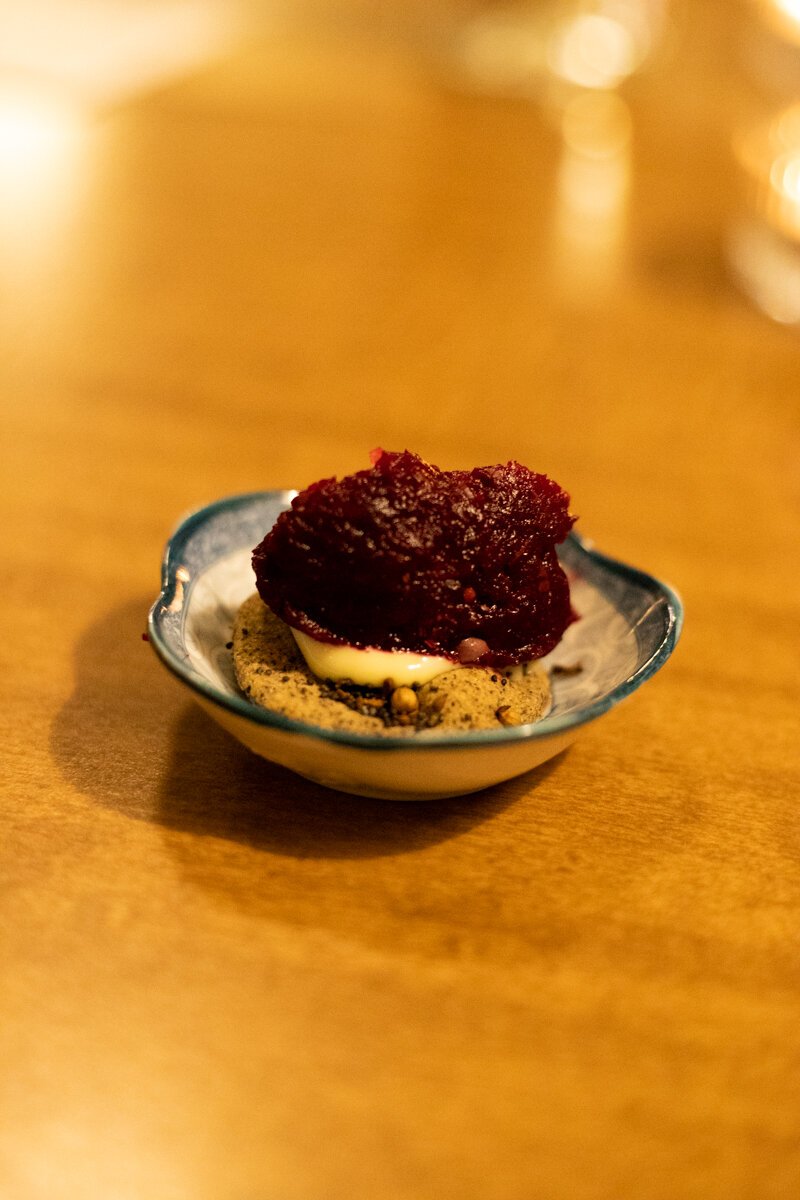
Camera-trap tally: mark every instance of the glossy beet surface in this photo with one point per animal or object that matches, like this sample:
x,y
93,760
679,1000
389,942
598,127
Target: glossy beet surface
x,y
404,556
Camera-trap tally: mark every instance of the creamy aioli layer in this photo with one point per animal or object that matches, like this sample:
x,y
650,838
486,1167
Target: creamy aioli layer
x,y
369,667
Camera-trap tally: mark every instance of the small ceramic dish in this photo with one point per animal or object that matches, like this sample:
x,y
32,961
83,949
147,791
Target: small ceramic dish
x,y
629,624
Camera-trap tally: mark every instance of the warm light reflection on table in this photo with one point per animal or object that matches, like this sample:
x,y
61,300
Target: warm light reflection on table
x,y
593,184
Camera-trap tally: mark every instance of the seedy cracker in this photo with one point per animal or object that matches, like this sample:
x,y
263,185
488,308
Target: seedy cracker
x,y
272,672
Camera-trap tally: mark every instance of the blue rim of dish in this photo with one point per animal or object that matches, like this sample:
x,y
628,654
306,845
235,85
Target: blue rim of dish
x,y
546,727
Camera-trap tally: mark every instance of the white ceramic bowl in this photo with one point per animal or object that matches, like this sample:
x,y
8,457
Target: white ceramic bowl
x,y
629,625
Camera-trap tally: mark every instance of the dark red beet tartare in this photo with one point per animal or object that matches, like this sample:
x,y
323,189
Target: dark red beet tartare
x,y
404,556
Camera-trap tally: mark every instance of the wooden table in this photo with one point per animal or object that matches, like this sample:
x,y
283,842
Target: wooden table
x,y
224,983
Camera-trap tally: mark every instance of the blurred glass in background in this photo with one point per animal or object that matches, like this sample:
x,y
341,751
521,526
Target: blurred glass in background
x,y
592,194
571,58
525,47
764,241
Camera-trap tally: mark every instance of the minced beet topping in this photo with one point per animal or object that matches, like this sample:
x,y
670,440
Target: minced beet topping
x,y
404,556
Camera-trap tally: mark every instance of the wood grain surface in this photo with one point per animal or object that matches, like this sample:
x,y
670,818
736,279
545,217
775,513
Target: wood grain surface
x,y
221,982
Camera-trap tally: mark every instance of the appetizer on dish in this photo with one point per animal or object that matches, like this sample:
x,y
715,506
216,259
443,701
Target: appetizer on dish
x,y
405,597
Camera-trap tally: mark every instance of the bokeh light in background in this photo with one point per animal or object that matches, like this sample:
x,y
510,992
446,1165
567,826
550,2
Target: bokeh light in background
x,y
523,47
63,63
32,126
592,191
103,51
783,16
764,242
593,50
42,165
